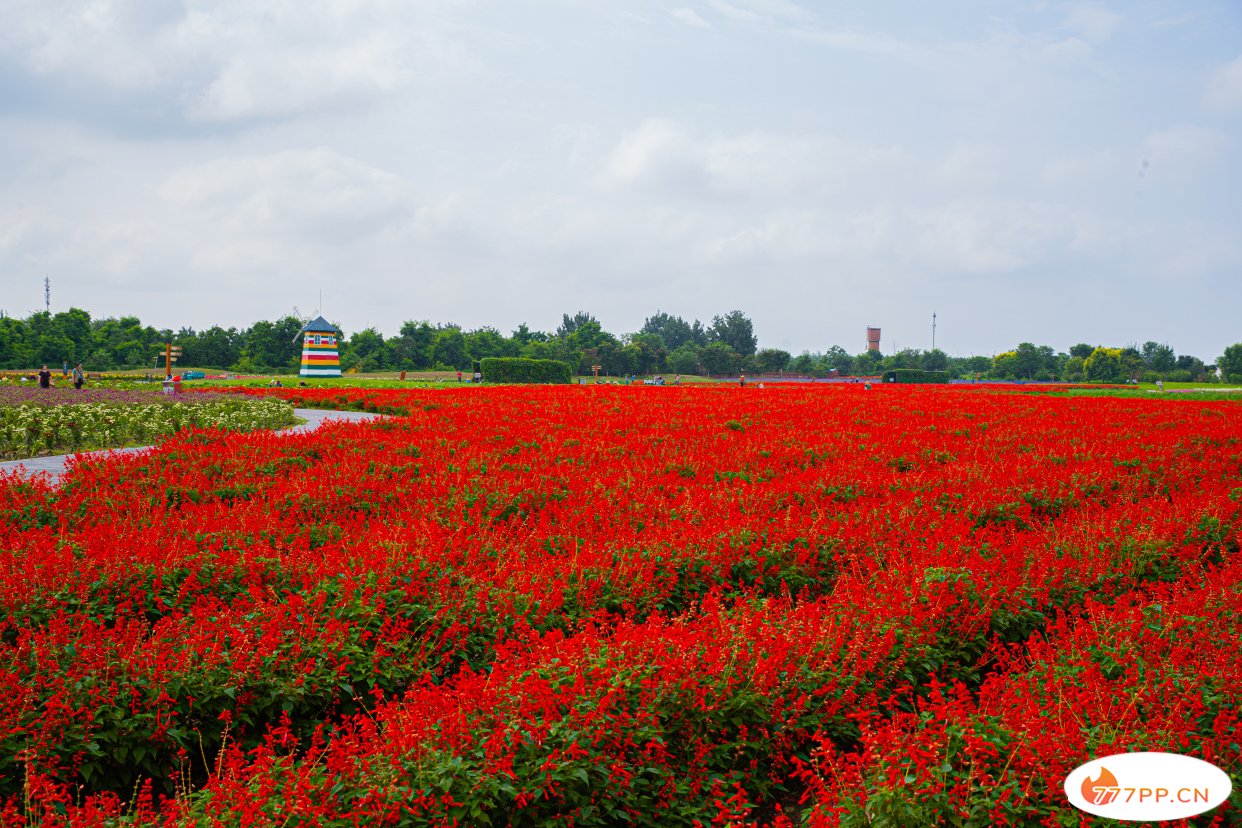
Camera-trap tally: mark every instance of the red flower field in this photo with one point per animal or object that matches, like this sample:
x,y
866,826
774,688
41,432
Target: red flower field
x,y
626,605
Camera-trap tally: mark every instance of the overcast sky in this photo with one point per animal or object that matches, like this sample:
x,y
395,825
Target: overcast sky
x,y
1042,171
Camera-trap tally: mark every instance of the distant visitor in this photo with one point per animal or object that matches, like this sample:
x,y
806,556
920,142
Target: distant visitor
x,y
320,354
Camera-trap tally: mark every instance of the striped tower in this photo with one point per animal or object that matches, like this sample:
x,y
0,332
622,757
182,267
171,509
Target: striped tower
x,y
320,357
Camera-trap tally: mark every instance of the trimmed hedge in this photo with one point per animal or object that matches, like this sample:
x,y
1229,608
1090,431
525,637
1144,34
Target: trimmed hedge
x,y
915,375
516,369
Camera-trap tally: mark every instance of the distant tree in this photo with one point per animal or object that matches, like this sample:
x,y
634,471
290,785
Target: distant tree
x,y
651,352
735,330
970,366
905,358
1073,370
590,335
719,359
685,360
489,342
74,325
1104,365
1082,350
1005,365
570,324
615,359
1028,360
536,349
411,349
215,347
522,334
805,363
675,331
868,363
270,345
365,350
1158,357
935,360
1131,362
771,360
1190,368
1230,363
449,349
838,358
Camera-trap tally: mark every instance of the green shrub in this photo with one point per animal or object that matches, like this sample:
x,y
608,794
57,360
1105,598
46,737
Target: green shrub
x,y
517,369
913,375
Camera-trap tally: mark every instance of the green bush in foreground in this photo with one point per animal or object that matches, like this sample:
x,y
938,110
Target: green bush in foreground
x,y
29,430
517,369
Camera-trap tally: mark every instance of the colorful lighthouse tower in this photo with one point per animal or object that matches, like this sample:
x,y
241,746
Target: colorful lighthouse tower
x,y
320,356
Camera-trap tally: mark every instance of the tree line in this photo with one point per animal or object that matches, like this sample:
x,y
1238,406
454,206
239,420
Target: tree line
x,y
666,343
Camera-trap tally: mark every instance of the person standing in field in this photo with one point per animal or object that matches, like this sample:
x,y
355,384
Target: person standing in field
x,y
79,378
45,378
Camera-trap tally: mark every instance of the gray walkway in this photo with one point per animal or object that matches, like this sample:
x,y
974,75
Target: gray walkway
x,y
55,464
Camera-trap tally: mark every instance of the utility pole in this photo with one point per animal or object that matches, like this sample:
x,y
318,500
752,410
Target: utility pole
x,y
47,294
933,331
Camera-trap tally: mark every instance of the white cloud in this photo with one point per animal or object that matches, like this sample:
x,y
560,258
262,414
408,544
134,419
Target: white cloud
x,y
1096,23
1224,88
236,59
691,18
316,195
1184,146
656,154
757,10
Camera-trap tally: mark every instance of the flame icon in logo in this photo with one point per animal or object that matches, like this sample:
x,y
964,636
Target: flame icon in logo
x,y
1103,790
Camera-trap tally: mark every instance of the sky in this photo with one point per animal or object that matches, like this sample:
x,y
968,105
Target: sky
x,y
1053,172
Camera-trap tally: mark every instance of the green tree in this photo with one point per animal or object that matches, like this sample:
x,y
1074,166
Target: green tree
x,y
1191,368
675,331
1073,370
839,359
1158,357
1082,350
570,324
411,348
868,363
935,360
772,360
805,363
651,353
905,358
685,359
1230,363
450,349
1005,365
1104,365
970,366
272,345
522,334
536,349
719,359
365,350
489,342
735,330
75,326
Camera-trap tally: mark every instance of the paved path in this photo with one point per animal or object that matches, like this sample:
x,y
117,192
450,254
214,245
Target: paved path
x,y
55,464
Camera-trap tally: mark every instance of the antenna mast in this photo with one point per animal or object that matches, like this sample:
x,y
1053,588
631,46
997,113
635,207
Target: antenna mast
x,y
47,294
933,331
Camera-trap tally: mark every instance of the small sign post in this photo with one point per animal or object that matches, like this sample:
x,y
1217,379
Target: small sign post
x,y
171,352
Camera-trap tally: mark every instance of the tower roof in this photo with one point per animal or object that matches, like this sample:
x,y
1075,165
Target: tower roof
x,y
319,325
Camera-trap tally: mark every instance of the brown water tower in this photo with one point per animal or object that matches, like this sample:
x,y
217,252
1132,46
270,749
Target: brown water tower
x,y
873,339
